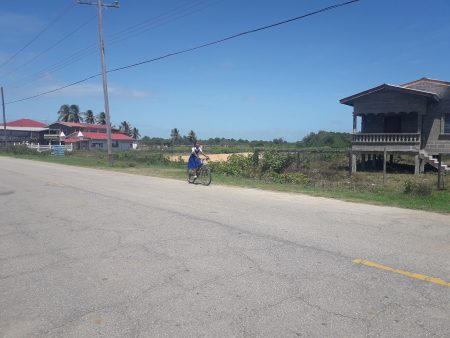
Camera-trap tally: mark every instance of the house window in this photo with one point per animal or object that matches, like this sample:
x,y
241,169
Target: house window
x,y
115,144
447,123
97,145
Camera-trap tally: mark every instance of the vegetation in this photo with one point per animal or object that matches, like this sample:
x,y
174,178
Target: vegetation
x,y
70,113
229,146
101,118
319,173
89,116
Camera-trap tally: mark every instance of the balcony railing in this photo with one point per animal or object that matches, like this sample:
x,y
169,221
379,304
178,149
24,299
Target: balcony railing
x,y
397,138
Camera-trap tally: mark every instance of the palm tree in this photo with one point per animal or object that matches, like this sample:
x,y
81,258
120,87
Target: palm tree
x,y
192,137
125,128
75,115
135,133
89,116
174,135
101,118
64,113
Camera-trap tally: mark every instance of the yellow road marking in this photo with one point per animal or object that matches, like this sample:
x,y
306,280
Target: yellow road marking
x,y
401,272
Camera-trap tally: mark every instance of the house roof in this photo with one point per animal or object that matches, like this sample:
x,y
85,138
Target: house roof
x,y
81,125
72,138
25,123
426,79
350,100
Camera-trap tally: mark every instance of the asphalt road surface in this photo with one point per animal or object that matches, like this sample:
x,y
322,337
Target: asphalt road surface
x,y
90,253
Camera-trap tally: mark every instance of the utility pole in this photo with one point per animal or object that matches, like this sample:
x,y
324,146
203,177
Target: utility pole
x,y
100,6
4,117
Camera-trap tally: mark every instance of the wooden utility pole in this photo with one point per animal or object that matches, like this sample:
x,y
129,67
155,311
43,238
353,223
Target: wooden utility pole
x,y
4,117
100,6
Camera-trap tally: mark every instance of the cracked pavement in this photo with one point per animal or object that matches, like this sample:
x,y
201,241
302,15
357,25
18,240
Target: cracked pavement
x,y
90,253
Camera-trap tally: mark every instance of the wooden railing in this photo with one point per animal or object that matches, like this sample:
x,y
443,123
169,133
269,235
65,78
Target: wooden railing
x,y
397,138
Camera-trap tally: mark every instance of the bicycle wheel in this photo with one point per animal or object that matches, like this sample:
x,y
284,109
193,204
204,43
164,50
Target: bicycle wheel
x,y
190,177
205,175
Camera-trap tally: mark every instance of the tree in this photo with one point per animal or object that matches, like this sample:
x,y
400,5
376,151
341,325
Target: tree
x,y
89,116
70,113
101,118
64,113
75,114
174,135
192,137
135,133
125,128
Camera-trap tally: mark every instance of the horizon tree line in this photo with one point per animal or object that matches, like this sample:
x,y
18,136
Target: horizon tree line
x,y
72,113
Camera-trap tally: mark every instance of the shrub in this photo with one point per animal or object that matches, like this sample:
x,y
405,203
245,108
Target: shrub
x,y
21,150
236,165
420,187
276,162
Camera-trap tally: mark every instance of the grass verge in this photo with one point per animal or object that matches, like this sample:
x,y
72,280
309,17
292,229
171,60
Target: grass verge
x,y
364,187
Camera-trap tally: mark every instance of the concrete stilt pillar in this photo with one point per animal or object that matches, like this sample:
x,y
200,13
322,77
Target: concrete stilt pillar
x,y
421,166
353,163
416,165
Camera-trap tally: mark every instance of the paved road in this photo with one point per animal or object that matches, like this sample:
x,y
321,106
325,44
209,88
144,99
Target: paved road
x,y
88,253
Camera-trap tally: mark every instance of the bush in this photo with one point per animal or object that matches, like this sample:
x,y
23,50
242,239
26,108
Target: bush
x,y
420,187
21,150
236,165
276,162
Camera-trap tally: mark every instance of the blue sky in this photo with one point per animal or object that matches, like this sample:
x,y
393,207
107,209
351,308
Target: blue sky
x,y
282,82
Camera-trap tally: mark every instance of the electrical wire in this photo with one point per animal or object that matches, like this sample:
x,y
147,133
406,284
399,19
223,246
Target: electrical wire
x,y
53,46
115,38
193,48
62,14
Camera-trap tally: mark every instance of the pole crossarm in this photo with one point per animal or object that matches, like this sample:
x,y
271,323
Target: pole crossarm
x,y
115,4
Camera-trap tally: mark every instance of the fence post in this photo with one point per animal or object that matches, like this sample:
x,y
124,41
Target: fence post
x,y
440,174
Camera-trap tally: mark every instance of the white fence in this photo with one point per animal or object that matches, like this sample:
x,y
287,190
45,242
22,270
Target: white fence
x,y
41,147
386,138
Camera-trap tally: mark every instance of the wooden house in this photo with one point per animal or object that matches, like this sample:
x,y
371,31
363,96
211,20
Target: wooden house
x,y
412,118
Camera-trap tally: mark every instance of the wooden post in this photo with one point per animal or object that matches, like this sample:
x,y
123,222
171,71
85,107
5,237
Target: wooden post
x,y
440,174
384,165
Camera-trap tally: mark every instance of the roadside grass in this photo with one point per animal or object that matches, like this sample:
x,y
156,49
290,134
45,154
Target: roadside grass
x,y
399,190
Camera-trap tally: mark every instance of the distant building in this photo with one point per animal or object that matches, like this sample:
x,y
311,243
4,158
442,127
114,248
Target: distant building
x,y
84,140
85,136
413,118
23,131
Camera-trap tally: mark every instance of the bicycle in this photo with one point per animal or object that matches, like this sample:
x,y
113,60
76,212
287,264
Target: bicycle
x,y
204,175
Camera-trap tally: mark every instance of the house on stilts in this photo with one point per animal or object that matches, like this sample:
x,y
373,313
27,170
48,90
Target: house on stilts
x,y
413,118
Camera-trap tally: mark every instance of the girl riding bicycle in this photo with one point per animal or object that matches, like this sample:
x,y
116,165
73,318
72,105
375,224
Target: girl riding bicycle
x,y
194,162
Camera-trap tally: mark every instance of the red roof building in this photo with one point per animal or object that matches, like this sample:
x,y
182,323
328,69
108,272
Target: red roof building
x,y
25,123
90,140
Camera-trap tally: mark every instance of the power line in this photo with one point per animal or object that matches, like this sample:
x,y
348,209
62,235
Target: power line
x,y
64,12
176,13
53,46
194,48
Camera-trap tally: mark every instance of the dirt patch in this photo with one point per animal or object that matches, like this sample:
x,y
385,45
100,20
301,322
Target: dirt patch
x,y
212,157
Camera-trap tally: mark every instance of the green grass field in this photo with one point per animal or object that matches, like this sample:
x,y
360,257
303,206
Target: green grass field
x,y
399,190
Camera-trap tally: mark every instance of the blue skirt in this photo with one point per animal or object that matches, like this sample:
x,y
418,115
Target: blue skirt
x,y
194,162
